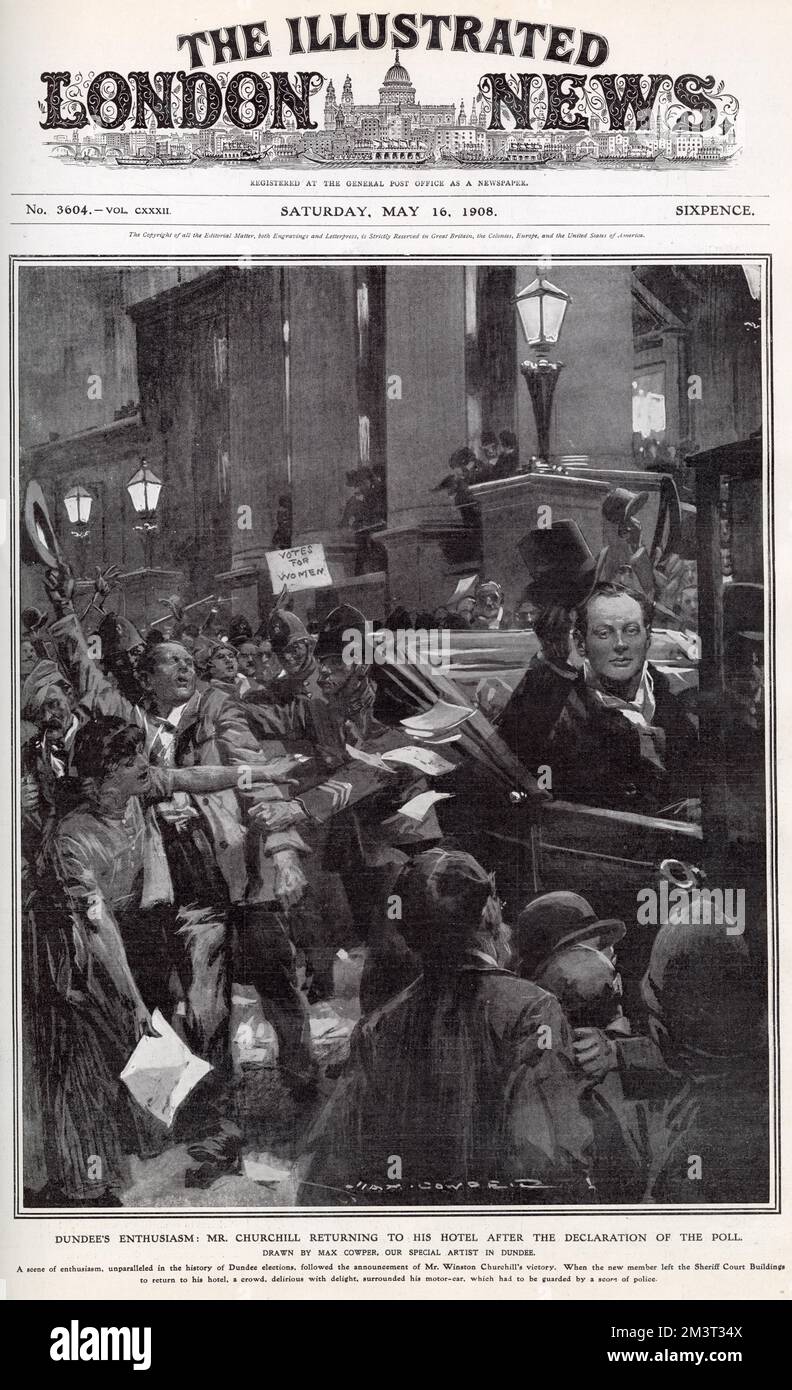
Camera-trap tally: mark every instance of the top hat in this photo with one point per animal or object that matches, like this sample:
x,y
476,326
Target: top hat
x,y
557,920
331,638
620,505
39,541
560,563
743,612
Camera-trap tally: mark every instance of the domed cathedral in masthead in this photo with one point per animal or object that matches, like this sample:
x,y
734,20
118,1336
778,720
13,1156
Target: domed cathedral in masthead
x,y
397,115
397,89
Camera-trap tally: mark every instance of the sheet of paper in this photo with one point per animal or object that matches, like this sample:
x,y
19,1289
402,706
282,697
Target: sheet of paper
x,y
359,755
264,1168
162,1072
465,586
434,740
423,759
440,719
420,806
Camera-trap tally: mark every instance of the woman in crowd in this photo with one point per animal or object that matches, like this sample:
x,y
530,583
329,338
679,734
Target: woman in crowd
x,y
101,861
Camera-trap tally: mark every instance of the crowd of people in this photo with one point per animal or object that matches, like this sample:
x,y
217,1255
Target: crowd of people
x,y
197,800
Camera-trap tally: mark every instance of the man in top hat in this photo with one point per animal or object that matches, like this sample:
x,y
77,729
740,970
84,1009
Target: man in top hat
x,y
467,1074
561,567
609,728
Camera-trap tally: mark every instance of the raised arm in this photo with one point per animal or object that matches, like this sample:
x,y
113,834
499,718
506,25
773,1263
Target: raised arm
x,y
95,694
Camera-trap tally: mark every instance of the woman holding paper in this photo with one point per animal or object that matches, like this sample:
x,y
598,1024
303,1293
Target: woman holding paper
x,y
100,861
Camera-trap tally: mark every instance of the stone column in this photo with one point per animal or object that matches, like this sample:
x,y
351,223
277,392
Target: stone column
x,y
323,410
257,466
426,422
324,422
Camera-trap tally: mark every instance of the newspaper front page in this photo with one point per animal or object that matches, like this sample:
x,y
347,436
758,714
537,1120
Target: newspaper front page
x,y
394,550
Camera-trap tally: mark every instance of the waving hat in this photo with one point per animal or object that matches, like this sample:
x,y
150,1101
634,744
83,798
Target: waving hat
x,y
39,541
561,565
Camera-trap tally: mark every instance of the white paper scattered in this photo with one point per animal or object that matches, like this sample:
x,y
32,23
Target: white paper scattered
x,y
262,1168
162,1072
421,758
421,805
434,739
358,755
440,719
465,586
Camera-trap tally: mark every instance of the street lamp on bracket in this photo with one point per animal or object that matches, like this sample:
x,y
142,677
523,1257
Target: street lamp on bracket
x,y
144,488
541,308
79,504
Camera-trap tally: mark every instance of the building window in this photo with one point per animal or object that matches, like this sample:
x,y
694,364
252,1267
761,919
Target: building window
x,y
649,404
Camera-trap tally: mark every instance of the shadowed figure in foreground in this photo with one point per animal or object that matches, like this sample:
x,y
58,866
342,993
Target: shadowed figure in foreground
x,y
463,1085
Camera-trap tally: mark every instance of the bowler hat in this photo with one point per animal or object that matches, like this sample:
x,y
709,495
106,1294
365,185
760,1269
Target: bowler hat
x,y
560,563
557,920
331,638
